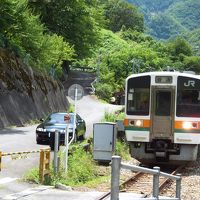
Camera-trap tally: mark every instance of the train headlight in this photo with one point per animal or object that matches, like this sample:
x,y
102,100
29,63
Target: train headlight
x,y
138,123
190,125
187,125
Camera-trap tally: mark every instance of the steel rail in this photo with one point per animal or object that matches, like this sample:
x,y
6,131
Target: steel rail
x,y
167,180
133,178
138,175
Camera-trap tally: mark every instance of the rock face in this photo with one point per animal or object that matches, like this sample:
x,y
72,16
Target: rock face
x,y
26,95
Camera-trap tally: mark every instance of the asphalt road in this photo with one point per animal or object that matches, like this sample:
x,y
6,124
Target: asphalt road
x,y
15,139
92,111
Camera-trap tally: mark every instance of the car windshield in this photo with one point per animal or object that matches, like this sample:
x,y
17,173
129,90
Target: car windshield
x,y
59,118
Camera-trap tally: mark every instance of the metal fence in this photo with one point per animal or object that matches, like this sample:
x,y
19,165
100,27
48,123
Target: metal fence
x,y
115,177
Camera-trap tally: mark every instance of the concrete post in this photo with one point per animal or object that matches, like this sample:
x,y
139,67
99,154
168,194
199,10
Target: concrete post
x,y
115,175
156,183
0,159
178,187
55,160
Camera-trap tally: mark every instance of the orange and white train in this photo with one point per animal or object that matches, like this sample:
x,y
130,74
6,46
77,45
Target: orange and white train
x,y
162,116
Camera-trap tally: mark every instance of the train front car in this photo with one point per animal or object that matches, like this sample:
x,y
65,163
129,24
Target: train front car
x,y
162,121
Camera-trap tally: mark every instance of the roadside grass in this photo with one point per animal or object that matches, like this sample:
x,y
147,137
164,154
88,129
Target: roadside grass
x,y
32,176
71,108
122,150
82,169
113,117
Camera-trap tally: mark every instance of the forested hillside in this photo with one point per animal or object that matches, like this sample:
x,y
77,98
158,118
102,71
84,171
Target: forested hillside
x,y
105,35
169,18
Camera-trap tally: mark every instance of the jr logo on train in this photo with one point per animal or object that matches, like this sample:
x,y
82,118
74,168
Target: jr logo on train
x,y
162,121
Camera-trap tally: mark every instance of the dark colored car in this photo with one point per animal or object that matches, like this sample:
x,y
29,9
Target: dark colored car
x,y
55,121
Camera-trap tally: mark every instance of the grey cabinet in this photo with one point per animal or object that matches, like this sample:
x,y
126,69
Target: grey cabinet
x,y
104,140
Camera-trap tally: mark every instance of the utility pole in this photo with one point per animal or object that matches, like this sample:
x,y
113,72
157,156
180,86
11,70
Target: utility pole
x,y
98,66
135,64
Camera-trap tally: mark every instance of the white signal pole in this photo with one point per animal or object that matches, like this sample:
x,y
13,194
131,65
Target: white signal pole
x,y
74,124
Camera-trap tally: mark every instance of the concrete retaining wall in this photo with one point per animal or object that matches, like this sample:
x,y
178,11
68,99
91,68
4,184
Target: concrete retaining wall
x,y
26,95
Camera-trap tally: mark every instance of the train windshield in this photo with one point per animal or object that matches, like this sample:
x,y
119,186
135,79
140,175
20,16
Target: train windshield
x,y
138,94
188,97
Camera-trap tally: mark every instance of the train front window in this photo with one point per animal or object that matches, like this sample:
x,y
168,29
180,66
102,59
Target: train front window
x,y
138,95
163,103
188,97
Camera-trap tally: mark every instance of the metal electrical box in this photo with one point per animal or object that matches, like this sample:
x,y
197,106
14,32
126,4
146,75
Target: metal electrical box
x,y
104,140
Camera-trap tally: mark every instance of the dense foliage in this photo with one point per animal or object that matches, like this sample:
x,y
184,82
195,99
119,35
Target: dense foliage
x,y
164,26
73,20
193,37
120,15
102,34
23,33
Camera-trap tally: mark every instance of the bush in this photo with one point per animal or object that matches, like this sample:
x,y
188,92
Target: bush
x,y
113,117
122,149
104,91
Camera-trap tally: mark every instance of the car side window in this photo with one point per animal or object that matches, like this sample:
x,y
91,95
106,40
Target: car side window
x,y
78,118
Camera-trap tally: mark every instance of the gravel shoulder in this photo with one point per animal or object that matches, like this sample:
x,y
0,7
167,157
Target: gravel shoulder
x,y
189,186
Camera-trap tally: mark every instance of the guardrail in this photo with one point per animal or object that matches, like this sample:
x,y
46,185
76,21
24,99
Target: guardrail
x,y
115,177
44,166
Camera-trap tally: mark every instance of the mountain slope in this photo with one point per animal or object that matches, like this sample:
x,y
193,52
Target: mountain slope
x,y
181,14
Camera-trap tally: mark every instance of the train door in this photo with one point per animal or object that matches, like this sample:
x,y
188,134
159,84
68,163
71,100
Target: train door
x,y
162,113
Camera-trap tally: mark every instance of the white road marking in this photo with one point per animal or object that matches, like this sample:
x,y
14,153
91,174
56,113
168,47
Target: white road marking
x,y
26,192
7,180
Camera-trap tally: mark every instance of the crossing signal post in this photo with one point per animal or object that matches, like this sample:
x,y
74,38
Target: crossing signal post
x,y
75,92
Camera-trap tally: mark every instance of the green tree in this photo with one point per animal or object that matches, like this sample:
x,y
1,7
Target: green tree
x,y
119,57
121,14
193,37
24,34
192,63
179,48
72,19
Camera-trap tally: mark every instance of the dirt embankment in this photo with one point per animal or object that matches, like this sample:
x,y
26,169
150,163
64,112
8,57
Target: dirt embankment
x,y
25,94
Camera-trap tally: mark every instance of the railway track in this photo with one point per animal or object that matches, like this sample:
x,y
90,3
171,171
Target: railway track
x,y
141,183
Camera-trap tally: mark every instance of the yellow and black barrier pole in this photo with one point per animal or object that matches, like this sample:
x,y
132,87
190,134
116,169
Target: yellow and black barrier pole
x,y
44,166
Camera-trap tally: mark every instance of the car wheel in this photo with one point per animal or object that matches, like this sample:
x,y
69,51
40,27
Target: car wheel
x,y
81,137
52,146
38,142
